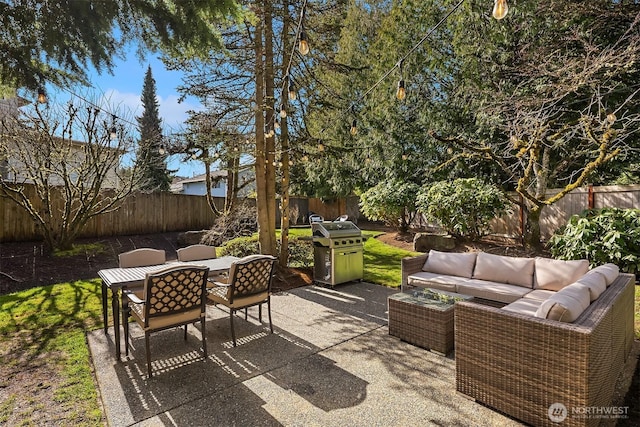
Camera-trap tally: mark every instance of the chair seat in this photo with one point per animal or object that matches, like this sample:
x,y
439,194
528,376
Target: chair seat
x,y
218,295
137,311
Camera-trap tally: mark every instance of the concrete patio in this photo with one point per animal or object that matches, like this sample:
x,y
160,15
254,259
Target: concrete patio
x,y
330,362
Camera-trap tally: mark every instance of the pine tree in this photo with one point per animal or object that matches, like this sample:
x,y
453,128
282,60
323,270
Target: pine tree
x,y
151,162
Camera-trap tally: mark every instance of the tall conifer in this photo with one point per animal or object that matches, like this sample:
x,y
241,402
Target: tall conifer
x,y
152,163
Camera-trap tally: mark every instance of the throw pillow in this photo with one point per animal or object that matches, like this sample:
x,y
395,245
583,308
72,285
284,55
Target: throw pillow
x,y
566,305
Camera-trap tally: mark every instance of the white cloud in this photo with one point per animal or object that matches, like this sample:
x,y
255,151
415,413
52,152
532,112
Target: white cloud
x,y
128,105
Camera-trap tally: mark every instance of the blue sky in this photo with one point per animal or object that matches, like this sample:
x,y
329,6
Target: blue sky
x,y
123,89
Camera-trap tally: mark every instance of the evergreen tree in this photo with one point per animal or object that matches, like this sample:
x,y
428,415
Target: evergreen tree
x,y
152,162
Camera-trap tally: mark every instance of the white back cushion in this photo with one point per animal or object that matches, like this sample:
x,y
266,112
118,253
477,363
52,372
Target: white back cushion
x,y
450,263
504,269
595,282
609,271
566,305
555,274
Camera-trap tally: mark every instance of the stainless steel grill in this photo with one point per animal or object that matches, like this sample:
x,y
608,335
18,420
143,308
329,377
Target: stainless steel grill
x,y
337,252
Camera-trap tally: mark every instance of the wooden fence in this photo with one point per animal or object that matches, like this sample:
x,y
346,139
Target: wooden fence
x,y
139,214
555,216
156,213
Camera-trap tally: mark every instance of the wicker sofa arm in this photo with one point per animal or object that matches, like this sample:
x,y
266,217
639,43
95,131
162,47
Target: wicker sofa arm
x,y
412,265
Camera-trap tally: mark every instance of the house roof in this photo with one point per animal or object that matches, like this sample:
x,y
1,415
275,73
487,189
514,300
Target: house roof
x,y
178,182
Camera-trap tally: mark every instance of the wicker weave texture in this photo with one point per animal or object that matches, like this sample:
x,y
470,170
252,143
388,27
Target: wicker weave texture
x,y
422,325
521,365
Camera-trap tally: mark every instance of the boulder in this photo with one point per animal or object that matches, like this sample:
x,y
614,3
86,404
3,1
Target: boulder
x,y
190,238
424,242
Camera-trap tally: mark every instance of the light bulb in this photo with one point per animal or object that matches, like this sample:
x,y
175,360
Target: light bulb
x,y
303,45
320,148
42,97
405,157
611,117
292,92
283,111
113,133
276,124
500,9
161,150
401,93
354,128
194,156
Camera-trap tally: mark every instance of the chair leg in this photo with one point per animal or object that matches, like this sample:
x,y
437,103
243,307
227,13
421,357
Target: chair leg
x,y
126,311
233,332
260,313
146,344
204,337
269,309
245,313
185,332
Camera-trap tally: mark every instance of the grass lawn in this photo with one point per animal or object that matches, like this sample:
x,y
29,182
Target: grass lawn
x,y
45,370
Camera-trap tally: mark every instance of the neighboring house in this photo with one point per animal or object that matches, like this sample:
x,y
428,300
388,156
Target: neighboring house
x,y
14,159
196,186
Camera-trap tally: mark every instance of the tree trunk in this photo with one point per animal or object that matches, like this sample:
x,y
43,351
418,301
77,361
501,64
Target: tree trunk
x,y
284,142
270,175
265,228
532,235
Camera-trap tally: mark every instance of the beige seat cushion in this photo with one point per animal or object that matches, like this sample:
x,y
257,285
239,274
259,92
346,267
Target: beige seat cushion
x,y
555,274
504,269
494,291
609,271
539,294
596,283
434,280
527,306
450,263
218,295
566,305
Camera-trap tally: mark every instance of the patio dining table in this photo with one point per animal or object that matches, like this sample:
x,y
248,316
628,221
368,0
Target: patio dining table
x,y
118,279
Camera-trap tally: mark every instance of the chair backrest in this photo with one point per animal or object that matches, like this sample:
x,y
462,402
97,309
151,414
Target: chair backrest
x,y
250,275
174,290
141,257
196,253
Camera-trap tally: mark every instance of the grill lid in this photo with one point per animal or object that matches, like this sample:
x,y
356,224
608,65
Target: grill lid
x,y
334,230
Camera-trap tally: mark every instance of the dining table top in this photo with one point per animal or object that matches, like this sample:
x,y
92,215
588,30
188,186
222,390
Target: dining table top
x,y
119,277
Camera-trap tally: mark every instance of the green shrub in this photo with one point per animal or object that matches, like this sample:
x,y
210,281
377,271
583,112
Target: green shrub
x,y
300,251
463,207
601,236
392,202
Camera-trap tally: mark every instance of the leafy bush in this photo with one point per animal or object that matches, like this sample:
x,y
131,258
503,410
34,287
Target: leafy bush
x,y
392,202
300,251
601,236
463,207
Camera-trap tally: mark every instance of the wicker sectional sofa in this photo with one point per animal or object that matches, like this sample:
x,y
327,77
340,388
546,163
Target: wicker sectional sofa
x,y
554,332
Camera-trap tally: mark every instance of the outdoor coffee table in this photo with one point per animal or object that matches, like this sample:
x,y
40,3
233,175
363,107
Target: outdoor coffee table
x,y
424,317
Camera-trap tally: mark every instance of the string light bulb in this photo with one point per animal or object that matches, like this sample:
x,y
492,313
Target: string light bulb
x,y
113,132
401,93
354,128
283,111
42,96
500,9
276,124
161,150
303,44
194,156
292,92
